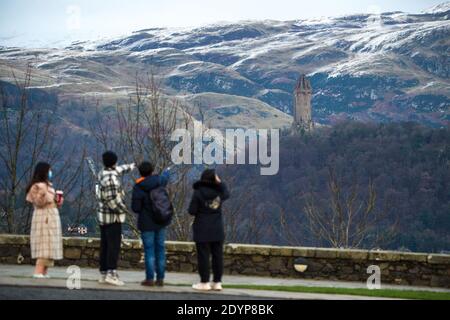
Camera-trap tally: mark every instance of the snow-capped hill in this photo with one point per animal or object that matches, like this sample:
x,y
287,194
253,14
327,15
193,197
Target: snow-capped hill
x,y
440,8
382,67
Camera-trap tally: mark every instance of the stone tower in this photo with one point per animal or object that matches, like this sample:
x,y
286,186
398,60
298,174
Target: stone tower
x,y
302,107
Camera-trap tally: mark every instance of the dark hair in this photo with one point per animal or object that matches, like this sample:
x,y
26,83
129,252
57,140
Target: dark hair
x,y
40,174
146,169
209,175
109,159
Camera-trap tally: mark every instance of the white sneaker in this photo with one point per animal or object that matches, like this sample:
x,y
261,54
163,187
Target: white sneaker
x,y
202,286
39,276
46,276
102,278
113,279
216,286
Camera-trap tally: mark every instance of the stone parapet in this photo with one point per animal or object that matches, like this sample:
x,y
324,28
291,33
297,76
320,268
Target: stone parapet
x,y
419,269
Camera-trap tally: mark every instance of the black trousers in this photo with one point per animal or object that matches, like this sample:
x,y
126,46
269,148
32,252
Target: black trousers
x,y
204,251
110,240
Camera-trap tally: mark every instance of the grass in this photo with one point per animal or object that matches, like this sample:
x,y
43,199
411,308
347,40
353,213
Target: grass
x,y
383,293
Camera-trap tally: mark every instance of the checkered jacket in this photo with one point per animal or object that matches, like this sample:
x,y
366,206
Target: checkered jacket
x,y
112,206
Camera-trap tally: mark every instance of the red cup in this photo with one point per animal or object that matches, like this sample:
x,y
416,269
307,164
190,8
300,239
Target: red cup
x,y
59,196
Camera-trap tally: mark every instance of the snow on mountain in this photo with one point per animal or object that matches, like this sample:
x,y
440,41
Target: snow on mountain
x,y
440,8
391,66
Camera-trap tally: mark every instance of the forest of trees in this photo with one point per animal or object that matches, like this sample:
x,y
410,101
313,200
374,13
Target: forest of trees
x,y
358,185
400,169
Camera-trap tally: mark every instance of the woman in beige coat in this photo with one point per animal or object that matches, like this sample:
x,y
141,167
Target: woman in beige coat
x,y
46,233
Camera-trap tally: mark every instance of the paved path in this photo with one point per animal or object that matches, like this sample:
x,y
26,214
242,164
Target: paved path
x,y
189,278
45,293
19,277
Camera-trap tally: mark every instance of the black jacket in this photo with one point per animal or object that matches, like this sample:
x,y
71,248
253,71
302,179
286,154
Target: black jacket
x,y
140,202
206,206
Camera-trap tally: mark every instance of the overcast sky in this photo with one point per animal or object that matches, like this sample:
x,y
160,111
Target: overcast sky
x,y
56,22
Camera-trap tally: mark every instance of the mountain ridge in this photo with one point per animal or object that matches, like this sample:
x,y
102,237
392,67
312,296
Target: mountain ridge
x,y
388,67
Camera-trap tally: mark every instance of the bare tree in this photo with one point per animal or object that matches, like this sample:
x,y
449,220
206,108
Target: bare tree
x,y
77,183
258,226
289,228
233,210
349,217
29,135
245,220
141,129
26,134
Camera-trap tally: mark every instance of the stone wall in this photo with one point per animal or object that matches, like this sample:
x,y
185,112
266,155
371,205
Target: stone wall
x,y
323,264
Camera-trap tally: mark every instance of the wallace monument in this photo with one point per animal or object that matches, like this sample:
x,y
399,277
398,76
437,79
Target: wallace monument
x,y
302,106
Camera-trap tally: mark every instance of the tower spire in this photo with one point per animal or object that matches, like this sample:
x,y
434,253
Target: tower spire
x,y
302,108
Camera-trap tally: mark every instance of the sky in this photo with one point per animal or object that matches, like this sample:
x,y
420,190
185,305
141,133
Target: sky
x,y
59,22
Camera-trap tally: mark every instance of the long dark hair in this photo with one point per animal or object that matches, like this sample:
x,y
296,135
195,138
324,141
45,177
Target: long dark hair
x,y
40,174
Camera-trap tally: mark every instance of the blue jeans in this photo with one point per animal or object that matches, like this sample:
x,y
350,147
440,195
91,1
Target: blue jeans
x,y
155,254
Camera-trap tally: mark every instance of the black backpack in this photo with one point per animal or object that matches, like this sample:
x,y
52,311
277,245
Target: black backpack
x,y
162,209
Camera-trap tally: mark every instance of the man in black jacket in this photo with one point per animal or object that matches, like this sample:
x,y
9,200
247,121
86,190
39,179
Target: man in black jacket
x,y
153,234
209,234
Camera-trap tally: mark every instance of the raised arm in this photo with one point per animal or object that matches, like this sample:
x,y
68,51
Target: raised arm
x,y
164,178
125,168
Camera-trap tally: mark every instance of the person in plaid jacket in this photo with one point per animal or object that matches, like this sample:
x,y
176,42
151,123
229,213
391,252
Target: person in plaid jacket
x,y
111,215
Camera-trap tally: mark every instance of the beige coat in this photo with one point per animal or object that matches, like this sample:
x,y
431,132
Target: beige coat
x,y
46,233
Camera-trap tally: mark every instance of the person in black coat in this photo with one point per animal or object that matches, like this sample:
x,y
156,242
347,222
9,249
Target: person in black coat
x,y
209,234
152,234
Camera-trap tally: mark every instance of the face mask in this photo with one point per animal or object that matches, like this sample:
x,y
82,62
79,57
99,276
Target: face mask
x,y
50,175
